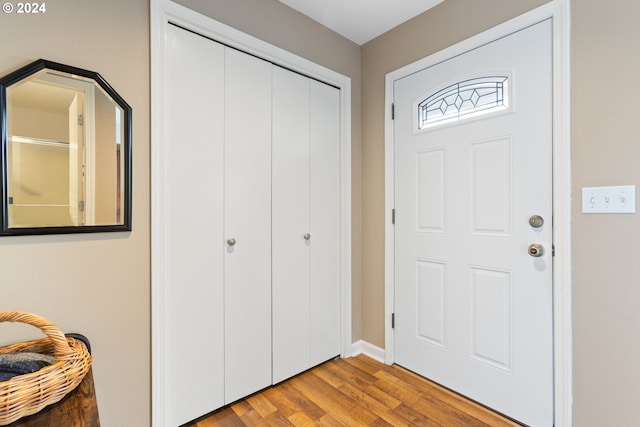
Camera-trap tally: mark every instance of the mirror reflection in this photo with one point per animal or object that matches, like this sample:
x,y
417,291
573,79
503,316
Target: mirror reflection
x,y
66,152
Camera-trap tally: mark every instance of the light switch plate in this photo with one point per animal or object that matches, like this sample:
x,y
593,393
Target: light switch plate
x,y
615,199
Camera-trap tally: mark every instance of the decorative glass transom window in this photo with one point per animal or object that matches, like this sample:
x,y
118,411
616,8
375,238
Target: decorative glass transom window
x,y
465,99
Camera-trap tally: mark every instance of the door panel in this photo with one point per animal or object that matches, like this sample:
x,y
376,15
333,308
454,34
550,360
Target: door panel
x,y
193,162
290,224
324,310
247,219
491,321
473,309
306,179
431,300
491,199
431,190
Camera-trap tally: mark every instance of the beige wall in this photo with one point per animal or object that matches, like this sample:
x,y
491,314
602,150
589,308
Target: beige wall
x,y
99,284
95,284
606,270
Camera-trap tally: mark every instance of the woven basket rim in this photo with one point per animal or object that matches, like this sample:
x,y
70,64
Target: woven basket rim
x,y
29,393
50,329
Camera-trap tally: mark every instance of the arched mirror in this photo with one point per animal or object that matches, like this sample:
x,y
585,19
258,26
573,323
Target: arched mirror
x,y
66,152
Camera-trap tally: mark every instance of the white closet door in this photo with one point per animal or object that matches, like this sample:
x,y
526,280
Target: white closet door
x,y
324,310
306,201
192,205
291,323
247,221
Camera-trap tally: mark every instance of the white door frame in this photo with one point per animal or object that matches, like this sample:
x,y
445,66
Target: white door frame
x,y
88,133
164,12
559,12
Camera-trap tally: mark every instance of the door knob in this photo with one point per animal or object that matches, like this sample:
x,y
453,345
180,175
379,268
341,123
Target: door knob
x,y
307,236
536,250
231,242
536,221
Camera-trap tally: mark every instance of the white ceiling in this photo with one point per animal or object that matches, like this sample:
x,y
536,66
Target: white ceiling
x,y
361,20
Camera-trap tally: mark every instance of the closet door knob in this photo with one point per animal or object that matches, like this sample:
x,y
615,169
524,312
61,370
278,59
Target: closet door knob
x,y
307,237
231,242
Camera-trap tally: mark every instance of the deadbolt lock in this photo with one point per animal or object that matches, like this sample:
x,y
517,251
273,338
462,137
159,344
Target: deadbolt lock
x,y
536,250
536,221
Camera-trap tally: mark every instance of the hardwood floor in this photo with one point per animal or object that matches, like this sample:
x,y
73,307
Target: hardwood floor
x,y
358,391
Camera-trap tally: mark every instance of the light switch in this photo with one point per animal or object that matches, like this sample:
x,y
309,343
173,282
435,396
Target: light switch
x,y
616,199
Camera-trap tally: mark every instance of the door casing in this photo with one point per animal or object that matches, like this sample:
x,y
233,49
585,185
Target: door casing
x,y
558,11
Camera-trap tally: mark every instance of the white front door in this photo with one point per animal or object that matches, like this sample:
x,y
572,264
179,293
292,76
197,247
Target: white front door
x,y
473,165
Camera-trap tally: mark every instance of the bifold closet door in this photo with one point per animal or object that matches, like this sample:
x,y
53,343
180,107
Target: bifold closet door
x,y
247,296
305,231
324,215
291,251
250,186
192,203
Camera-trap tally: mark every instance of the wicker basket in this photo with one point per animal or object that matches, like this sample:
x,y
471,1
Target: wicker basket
x,y
27,394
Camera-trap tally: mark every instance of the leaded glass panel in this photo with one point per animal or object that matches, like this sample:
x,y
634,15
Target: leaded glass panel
x,y
464,99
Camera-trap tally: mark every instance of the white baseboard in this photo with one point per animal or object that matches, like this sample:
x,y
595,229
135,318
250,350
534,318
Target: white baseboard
x,y
368,349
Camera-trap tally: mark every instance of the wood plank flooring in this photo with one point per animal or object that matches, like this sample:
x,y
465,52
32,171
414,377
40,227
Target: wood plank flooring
x,y
358,391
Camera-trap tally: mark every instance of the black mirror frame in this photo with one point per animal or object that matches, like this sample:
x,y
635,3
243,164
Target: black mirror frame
x,y
16,77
